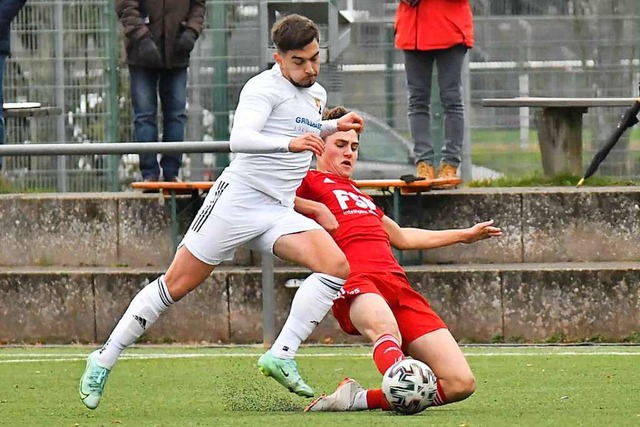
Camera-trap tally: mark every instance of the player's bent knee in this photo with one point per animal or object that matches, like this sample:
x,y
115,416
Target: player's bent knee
x,y
460,387
338,267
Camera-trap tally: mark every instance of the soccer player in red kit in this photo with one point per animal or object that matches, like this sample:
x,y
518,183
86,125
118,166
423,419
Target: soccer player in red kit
x,y
377,300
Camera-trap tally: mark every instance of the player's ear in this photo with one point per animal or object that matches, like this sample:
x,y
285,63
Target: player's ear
x,y
277,57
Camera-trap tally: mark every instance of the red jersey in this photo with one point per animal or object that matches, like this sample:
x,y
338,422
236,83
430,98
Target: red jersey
x,y
360,234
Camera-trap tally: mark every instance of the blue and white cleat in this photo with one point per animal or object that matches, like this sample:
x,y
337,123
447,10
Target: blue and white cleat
x,y
285,371
92,383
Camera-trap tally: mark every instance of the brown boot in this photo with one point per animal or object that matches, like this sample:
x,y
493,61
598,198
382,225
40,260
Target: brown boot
x,y
425,170
448,172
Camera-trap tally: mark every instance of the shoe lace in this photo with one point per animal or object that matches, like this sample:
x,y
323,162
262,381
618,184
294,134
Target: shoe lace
x,y
97,380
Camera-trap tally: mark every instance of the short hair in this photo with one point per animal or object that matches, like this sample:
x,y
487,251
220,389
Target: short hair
x,y
334,113
294,32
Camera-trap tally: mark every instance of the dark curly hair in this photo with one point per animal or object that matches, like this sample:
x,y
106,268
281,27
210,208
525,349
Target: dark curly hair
x,y
294,32
334,113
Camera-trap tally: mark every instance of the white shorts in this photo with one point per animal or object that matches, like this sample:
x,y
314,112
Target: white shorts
x,y
233,214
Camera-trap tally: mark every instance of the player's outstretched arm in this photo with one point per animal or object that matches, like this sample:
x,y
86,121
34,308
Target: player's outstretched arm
x,y
318,211
404,238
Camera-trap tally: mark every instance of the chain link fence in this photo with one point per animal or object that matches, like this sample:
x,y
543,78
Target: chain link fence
x,y
69,54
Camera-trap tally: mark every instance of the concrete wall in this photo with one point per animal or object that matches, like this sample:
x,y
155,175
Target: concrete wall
x,y
130,229
566,266
560,224
479,303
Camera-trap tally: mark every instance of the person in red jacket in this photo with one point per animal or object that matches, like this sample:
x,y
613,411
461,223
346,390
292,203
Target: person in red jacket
x,y
435,32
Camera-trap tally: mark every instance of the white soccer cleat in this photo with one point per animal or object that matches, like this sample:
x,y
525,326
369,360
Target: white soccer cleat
x,y
340,400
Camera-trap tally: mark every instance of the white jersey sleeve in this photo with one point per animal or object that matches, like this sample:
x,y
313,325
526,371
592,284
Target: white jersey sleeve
x,y
329,127
254,108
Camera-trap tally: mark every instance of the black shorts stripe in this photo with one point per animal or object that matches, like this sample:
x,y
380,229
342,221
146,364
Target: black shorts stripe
x,y
204,213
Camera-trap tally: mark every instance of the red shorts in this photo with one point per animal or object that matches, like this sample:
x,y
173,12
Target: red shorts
x,y
412,311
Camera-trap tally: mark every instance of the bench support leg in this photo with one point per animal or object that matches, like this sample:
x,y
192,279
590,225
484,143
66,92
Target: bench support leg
x,y
560,138
174,223
396,217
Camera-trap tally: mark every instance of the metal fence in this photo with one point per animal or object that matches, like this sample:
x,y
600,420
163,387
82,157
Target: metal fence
x,y
69,54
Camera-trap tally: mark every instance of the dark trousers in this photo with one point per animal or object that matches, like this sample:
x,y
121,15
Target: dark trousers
x,y
171,86
419,71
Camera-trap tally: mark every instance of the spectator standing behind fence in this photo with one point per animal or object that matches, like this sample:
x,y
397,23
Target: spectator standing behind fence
x,y
8,10
435,32
159,38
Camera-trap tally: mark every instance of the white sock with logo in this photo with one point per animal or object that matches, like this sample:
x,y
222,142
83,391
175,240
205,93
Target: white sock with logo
x,y
310,304
143,311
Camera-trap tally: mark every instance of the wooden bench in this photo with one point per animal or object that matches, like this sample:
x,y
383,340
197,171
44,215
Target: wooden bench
x,y
196,188
30,111
559,124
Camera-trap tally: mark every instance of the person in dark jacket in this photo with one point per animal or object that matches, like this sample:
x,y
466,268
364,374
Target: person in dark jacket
x,y
8,10
159,38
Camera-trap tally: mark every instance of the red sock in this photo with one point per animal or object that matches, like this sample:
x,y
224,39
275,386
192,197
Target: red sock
x,y
386,352
440,398
376,400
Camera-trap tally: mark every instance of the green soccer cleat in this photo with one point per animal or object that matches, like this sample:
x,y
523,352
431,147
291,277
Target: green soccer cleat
x,y
285,371
92,383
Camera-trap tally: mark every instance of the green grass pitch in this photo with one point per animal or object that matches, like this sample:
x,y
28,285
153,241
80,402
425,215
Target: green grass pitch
x,y
187,386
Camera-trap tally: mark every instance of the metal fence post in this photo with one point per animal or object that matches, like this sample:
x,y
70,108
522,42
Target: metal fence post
x,y
389,84
113,93
221,81
61,161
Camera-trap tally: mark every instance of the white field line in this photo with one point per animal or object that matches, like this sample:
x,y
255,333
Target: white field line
x,y
75,357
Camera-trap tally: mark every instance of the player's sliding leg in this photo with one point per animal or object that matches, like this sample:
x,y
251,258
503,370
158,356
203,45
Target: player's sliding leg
x,y
316,250
185,274
441,352
370,314
429,341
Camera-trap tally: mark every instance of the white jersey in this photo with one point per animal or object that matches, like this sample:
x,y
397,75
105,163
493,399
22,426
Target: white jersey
x,y
278,111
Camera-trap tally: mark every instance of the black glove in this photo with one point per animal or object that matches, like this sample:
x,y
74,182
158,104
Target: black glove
x,y
185,41
411,2
148,52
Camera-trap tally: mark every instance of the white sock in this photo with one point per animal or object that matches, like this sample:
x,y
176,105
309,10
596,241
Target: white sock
x,y
310,304
143,311
360,401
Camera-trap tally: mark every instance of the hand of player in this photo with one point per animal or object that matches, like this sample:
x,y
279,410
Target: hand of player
x,y
308,141
481,231
326,219
351,121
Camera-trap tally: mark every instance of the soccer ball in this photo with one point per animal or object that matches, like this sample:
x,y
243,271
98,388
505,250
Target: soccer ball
x,y
409,386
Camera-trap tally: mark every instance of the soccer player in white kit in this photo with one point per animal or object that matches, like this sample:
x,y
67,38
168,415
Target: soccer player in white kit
x,y
277,127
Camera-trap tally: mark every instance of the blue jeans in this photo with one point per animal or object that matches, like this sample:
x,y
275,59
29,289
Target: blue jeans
x,y
171,85
419,69
3,60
